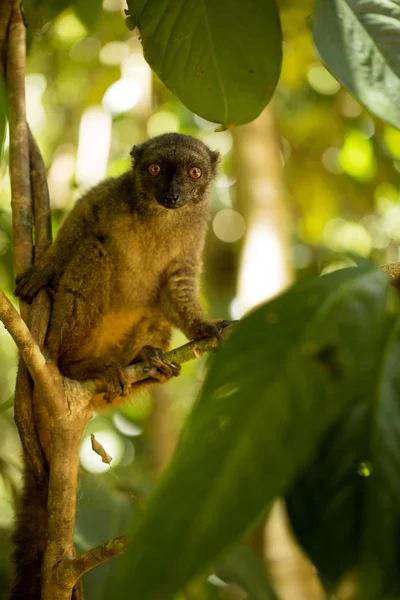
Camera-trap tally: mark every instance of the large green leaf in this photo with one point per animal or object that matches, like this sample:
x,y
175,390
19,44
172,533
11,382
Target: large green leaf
x,y
345,507
222,58
287,373
359,42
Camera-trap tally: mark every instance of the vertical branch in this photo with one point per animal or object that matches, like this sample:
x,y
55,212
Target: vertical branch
x,y
41,306
41,200
66,439
21,203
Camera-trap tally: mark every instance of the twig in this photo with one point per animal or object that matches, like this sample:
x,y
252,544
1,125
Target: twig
x,y
71,570
180,355
27,346
43,376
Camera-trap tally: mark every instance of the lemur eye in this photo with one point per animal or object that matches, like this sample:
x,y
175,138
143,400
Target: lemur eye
x,y
194,172
154,169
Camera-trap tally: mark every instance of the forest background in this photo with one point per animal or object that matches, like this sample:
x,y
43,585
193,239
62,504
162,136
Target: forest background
x,y
314,178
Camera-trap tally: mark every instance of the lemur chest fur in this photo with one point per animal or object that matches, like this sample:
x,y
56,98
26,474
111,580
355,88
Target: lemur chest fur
x,y
139,270
140,258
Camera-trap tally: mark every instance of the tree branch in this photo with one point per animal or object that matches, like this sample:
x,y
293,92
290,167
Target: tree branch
x,y
29,350
41,200
43,375
21,203
180,355
72,570
41,305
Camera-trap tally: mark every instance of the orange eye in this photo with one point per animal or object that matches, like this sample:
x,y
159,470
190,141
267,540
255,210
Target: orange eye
x,y
194,172
154,169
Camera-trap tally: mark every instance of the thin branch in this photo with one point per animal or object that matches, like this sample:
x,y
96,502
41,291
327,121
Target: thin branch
x,y
180,355
41,200
21,203
39,369
41,306
183,354
26,397
71,570
29,350
43,376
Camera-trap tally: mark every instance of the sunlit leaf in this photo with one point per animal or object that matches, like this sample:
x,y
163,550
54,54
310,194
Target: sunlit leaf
x,y
350,494
358,41
285,376
222,59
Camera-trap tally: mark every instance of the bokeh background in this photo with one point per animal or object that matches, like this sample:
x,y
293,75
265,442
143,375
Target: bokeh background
x,y
303,190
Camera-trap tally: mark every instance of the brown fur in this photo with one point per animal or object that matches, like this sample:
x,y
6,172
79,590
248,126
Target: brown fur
x,y
125,269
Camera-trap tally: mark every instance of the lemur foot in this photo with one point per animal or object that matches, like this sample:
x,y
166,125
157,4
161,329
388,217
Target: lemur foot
x,y
158,367
115,382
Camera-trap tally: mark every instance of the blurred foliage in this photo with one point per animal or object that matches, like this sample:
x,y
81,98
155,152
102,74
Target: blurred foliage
x,y
302,375
90,97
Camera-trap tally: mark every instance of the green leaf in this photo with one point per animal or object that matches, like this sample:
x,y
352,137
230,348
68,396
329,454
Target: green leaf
x,y
275,387
358,41
350,495
88,12
326,502
241,566
221,58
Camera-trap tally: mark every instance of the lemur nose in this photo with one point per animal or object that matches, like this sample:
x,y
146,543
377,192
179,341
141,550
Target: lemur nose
x,y
172,197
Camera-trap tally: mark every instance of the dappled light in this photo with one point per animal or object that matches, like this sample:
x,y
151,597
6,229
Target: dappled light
x,y
299,400
93,146
112,444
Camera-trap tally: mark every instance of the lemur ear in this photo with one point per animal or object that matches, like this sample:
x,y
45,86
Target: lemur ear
x,y
215,159
136,152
